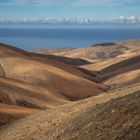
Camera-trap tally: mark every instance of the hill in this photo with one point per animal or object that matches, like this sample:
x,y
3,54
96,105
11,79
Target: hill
x,y
71,94
114,115
99,51
125,66
33,81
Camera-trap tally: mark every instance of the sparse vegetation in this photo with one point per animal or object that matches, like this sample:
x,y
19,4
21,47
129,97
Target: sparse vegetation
x,y
93,93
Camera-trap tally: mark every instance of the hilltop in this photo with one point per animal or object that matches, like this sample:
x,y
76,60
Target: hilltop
x,y
98,52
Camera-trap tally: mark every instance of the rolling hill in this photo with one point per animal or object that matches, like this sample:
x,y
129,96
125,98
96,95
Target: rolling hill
x,y
114,115
71,94
100,51
34,81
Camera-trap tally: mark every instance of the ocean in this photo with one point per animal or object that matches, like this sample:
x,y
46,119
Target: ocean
x,y
59,37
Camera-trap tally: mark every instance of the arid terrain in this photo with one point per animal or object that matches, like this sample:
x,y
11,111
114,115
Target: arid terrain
x,y
90,93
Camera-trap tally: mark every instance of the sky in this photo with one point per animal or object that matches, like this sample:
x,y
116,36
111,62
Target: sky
x,y
91,9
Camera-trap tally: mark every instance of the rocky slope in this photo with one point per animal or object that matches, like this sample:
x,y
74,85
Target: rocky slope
x,y
114,115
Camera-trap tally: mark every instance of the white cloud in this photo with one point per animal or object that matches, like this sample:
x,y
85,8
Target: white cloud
x,y
127,19
132,19
121,20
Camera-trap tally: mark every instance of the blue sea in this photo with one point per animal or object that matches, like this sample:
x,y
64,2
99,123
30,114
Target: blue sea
x,y
58,37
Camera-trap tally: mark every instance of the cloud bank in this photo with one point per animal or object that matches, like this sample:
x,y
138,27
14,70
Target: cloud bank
x,y
120,20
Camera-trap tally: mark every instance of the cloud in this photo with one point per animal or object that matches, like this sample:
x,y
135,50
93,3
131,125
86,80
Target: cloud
x,y
131,19
127,19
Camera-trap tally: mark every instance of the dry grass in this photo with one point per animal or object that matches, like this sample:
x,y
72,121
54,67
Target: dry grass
x,y
98,51
97,117
36,81
9,113
127,78
31,82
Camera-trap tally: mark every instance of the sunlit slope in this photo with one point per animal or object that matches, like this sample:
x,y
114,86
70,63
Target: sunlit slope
x,y
7,50
10,113
124,79
131,43
98,117
25,94
104,50
127,65
44,73
117,72
30,81
95,52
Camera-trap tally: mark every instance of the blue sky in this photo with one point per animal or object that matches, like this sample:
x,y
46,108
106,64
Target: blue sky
x,y
92,9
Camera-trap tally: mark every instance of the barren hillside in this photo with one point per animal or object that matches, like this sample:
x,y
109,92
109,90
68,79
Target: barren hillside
x,y
114,115
37,81
71,94
99,51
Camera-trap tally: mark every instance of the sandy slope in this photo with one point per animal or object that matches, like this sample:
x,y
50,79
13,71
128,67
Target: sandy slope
x,y
31,82
100,51
127,78
118,72
43,74
7,50
131,43
94,52
36,81
72,83
88,119
121,67
14,92
9,113
102,64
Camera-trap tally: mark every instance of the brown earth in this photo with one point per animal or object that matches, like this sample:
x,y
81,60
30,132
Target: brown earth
x,y
99,51
114,115
36,81
46,96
